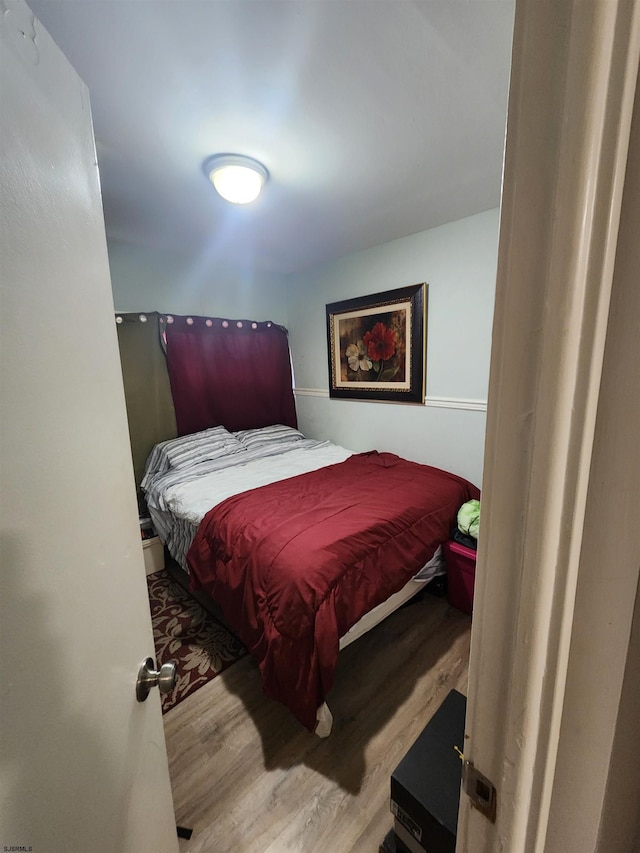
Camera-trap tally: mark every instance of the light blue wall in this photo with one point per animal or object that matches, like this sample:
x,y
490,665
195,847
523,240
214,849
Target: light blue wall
x,y
458,261
153,280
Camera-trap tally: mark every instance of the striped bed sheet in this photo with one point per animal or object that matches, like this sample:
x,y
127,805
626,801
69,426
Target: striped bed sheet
x,y
178,497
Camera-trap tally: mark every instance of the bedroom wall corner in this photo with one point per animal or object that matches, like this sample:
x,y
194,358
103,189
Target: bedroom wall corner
x,y
146,279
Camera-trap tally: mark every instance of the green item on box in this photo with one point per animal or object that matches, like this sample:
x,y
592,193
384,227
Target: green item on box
x,y
469,518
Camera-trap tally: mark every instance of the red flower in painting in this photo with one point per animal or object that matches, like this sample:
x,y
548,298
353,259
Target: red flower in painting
x,y
380,342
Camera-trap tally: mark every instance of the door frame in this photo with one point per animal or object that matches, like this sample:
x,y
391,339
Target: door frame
x,y
550,450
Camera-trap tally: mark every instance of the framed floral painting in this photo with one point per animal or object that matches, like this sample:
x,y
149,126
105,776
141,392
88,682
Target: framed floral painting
x,y
377,346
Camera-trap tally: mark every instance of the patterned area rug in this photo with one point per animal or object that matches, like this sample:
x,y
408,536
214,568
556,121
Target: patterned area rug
x,y
189,636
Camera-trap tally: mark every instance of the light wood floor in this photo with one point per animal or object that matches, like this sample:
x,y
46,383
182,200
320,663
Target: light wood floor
x,y
247,778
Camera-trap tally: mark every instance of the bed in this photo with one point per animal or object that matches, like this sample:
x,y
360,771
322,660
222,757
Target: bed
x,y
302,544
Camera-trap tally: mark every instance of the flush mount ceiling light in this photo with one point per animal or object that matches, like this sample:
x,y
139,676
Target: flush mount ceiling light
x,y
236,178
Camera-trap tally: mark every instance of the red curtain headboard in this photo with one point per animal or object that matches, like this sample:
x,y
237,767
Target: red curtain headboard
x,y
231,372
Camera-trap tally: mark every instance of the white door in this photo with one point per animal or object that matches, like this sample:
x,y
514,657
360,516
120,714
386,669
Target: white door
x,y
83,765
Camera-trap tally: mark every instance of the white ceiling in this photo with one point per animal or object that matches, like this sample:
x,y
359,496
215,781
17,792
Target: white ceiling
x,y
376,118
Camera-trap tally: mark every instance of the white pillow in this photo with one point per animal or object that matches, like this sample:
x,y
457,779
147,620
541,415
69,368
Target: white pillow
x,y
188,450
269,435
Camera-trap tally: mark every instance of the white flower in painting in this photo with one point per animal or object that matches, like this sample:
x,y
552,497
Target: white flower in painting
x,y
358,357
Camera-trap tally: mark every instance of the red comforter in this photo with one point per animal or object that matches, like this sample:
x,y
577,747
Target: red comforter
x,y
295,564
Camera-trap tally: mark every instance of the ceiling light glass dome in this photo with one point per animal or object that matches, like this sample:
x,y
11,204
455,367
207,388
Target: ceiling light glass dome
x,y
236,178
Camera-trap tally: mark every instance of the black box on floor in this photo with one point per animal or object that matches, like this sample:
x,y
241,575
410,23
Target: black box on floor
x,y
425,786
392,844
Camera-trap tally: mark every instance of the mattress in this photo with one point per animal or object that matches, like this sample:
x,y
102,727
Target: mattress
x,y
186,503
189,480
213,467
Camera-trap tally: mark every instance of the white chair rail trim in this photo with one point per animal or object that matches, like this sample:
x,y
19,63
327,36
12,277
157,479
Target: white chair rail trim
x,y
433,402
